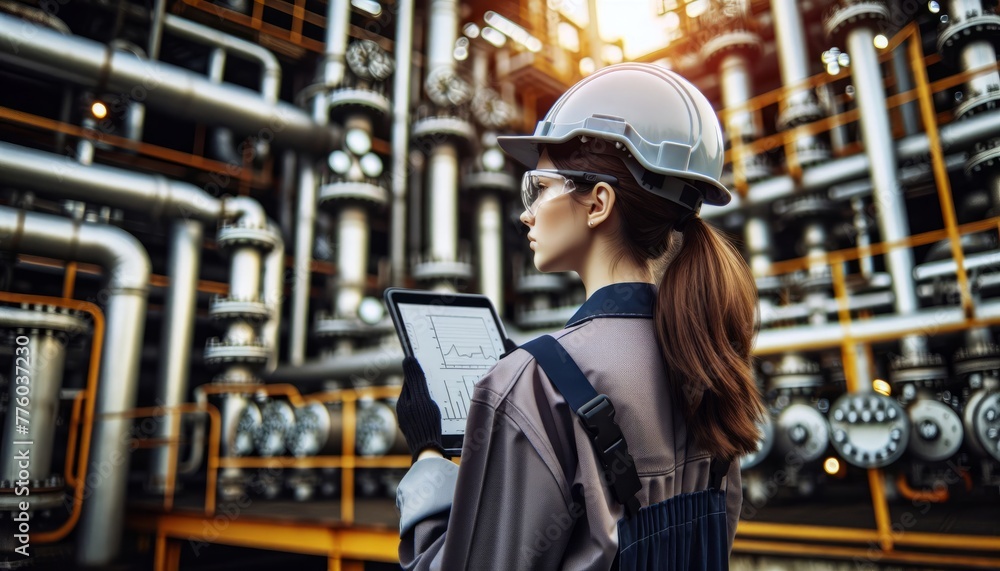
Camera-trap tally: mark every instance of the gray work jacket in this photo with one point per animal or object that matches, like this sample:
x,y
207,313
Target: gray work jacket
x,y
529,493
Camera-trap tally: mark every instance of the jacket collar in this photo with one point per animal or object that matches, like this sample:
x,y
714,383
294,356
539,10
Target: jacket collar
x,y
626,299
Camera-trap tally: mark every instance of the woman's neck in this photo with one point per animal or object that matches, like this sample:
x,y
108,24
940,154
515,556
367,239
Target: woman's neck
x,y
596,273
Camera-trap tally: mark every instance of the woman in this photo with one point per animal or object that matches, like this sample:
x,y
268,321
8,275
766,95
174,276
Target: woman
x,y
623,160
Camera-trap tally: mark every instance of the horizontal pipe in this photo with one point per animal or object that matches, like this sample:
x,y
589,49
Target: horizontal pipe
x,y
174,90
55,175
926,321
369,365
955,136
947,267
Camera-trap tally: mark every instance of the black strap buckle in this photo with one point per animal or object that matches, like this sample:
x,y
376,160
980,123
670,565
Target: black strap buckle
x,y
598,417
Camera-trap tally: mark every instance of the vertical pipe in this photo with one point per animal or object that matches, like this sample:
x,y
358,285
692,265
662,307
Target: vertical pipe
x,y
177,334
352,258
338,21
304,236
887,193
273,295
904,82
490,256
44,363
736,90
789,33
442,180
978,53
156,29
442,34
758,239
400,138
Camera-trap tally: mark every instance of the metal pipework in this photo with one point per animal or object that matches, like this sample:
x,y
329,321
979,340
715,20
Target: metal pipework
x,y
172,89
491,260
362,364
127,268
959,134
305,233
793,54
270,77
400,138
338,20
35,380
177,334
352,259
57,176
737,88
976,53
442,32
273,295
442,176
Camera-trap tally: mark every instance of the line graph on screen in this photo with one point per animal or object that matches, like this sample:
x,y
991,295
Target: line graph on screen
x,y
464,342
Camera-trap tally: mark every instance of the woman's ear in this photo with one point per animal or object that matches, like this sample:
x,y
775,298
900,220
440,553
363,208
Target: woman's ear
x,y
602,201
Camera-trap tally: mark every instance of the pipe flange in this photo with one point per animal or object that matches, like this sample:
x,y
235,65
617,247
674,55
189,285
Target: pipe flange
x,y
359,97
802,431
799,113
983,423
236,235
764,445
960,31
978,102
246,428
437,270
807,207
731,41
227,308
490,110
45,317
985,157
540,283
935,430
329,326
44,494
851,13
221,351
813,153
489,180
923,369
795,375
976,359
444,126
869,431
349,190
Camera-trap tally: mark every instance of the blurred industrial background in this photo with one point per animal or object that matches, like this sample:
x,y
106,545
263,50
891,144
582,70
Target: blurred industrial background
x,y
203,200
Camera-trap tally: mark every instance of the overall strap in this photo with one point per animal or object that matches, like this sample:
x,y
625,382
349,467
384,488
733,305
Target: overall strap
x,y
597,415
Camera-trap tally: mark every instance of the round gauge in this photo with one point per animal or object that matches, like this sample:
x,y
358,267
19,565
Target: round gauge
x,y
986,423
371,165
377,428
358,141
246,428
277,418
339,161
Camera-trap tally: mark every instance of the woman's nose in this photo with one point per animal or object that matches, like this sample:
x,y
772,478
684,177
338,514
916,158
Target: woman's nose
x,y
526,218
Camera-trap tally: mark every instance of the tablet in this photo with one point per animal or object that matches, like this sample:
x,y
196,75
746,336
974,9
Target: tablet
x,y
456,338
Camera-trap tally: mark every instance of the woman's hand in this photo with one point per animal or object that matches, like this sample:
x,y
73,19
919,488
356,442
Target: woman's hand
x,y
419,417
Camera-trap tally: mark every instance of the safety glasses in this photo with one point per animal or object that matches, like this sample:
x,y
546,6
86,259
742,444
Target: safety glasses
x,y
538,186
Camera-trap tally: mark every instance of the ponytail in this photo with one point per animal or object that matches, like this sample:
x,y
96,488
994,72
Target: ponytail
x,y
705,323
704,312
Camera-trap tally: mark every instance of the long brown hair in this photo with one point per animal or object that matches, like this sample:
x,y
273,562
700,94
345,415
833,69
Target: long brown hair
x,y
705,311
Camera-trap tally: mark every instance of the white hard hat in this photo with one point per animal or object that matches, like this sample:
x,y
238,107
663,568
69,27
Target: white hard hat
x,y
651,114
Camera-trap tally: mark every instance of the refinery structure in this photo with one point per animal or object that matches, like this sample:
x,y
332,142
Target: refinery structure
x,y
202,201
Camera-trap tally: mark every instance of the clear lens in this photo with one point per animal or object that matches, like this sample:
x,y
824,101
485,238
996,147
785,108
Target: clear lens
x,y
539,186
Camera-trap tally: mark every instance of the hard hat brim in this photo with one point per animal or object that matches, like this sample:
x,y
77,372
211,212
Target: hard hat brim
x,y
525,150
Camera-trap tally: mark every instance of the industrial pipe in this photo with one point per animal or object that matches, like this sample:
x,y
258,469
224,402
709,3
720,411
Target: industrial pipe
x,y
127,268
490,234
174,90
368,365
273,295
176,336
400,138
957,136
338,20
305,233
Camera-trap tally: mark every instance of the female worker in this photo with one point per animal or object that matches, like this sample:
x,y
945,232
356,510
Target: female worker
x,y
621,162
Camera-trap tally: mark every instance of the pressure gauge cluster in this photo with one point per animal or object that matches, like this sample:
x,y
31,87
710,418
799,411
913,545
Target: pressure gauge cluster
x,y
869,430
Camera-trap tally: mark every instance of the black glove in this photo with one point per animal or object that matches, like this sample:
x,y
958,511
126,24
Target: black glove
x,y
419,417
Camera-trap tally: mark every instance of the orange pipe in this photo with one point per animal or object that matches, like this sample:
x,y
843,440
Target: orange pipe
x,y
90,391
74,429
69,280
939,495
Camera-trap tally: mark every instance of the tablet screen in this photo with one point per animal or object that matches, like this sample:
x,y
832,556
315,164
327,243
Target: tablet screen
x,y
455,346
